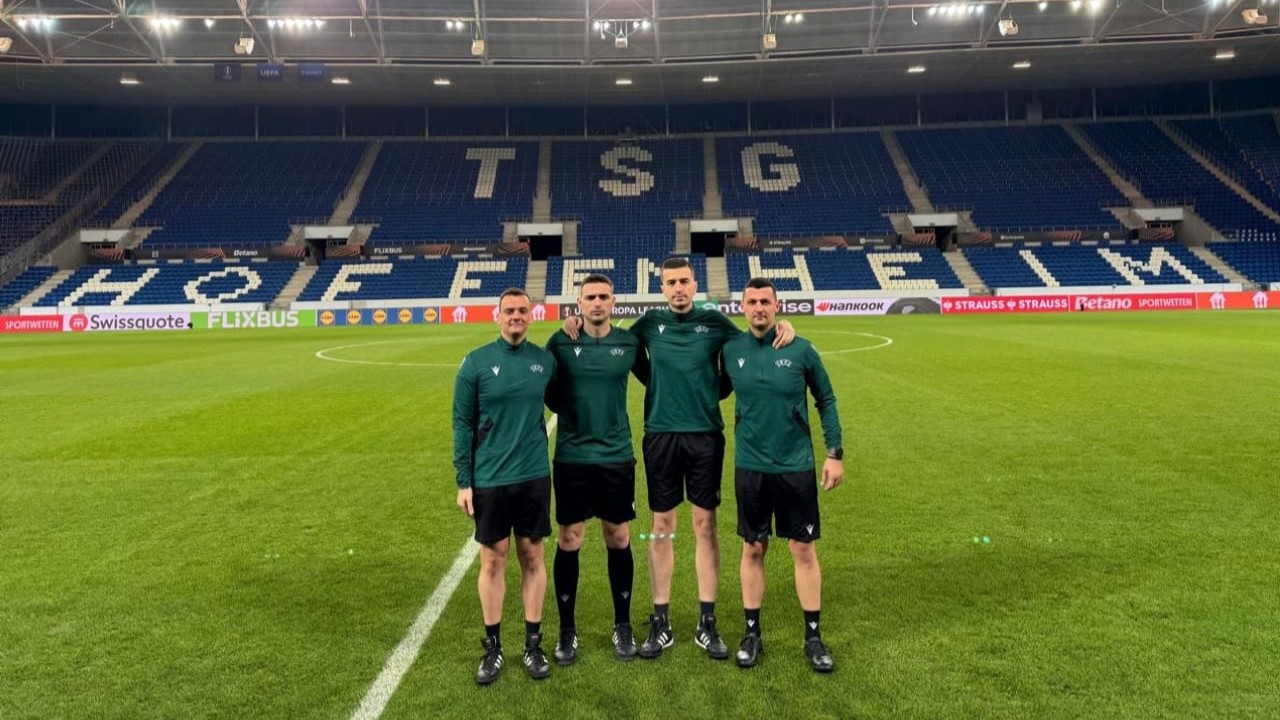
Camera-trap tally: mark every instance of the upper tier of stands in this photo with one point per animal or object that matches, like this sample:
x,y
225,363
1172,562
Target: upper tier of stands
x,y
1018,178
626,195
139,184
436,277
1212,140
1164,172
31,168
1258,261
1033,265
809,185
171,284
1258,139
630,274
914,269
246,193
448,191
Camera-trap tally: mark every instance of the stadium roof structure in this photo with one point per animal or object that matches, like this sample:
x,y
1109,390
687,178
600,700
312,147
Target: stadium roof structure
x,y
557,52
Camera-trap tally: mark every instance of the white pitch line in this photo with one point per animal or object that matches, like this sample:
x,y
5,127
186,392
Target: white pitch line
x,y
322,354
406,653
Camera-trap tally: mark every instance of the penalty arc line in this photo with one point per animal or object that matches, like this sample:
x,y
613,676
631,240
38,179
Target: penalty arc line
x,y
406,653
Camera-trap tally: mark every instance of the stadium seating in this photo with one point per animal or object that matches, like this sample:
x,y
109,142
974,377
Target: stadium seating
x,y
448,191
1258,139
630,274
247,193
1209,137
29,280
19,223
171,284
835,269
626,194
438,277
36,167
139,184
1030,265
1019,178
1166,174
1258,261
810,185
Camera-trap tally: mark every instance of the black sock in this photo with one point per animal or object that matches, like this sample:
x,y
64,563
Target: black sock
x,y
531,630
811,627
753,622
494,631
622,574
661,610
708,608
565,573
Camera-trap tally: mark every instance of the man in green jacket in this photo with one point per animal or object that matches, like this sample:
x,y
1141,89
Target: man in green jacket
x,y
504,483
774,463
595,465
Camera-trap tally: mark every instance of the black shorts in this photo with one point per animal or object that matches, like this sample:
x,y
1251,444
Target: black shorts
x,y
523,508
790,497
603,490
676,462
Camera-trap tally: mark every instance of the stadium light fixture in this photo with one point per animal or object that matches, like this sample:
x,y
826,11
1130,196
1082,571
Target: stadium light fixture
x,y
711,78
915,69
1044,5
1076,5
129,78
1022,65
1225,54
35,23
339,80
161,23
622,81
441,81
1095,6
209,23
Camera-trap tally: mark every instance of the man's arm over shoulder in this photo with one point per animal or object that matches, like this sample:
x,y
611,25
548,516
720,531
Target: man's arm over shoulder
x,y
466,413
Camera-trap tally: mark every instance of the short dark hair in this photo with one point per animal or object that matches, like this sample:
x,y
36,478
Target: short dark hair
x,y
759,283
513,291
676,263
596,278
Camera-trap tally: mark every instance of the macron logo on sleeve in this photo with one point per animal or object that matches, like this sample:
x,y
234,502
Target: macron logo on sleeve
x,y
495,370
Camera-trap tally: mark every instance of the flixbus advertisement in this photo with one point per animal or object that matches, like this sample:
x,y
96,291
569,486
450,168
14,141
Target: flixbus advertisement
x,y
253,319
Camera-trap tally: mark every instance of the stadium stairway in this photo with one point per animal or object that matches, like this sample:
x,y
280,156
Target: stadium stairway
x,y
95,156
968,276
535,282
1220,265
542,190
347,206
1126,188
718,279
712,202
910,182
294,287
130,216
569,240
684,238
1214,170
43,288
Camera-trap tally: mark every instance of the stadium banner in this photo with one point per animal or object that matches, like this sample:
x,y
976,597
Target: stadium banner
x,y
379,316
1006,304
253,319
118,321
1259,300
1134,301
270,252
455,314
226,72
1053,236
785,307
30,323
877,306
270,72
620,310
311,72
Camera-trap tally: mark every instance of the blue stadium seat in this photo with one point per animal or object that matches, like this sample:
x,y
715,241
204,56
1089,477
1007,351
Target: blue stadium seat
x,y
810,185
181,283
29,280
448,191
1089,265
630,274
914,269
1258,261
436,277
1019,178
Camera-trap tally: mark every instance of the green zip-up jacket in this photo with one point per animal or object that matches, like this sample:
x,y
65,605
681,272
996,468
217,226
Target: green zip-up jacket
x,y
771,424
499,435
683,394
590,395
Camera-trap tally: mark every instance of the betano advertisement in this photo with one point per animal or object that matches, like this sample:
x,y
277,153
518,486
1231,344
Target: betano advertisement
x,y
1115,302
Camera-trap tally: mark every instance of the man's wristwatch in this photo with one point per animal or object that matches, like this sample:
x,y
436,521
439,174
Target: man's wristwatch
x,y
835,453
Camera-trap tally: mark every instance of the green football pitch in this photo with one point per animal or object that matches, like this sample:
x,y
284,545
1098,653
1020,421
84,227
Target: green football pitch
x,y
245,524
